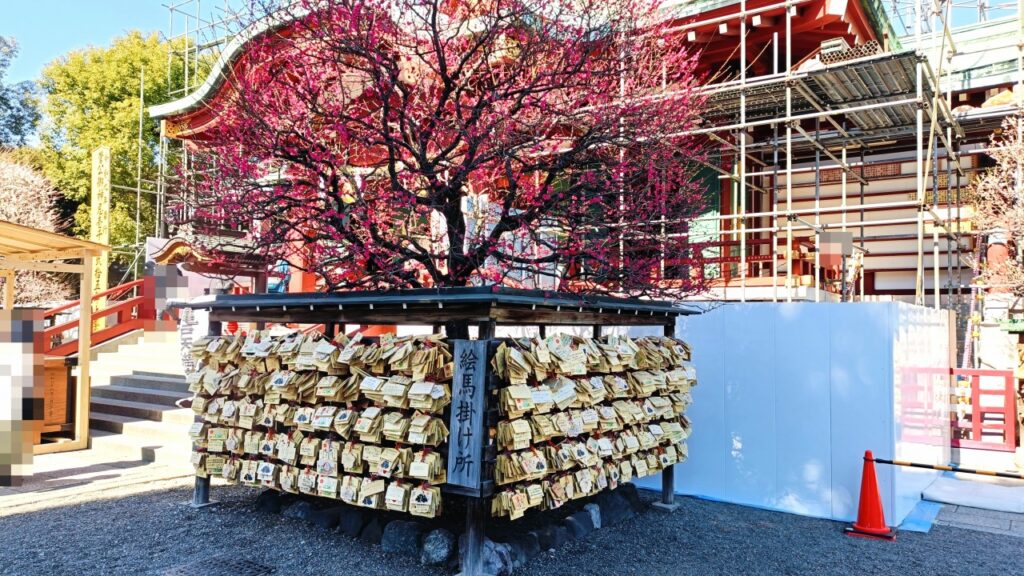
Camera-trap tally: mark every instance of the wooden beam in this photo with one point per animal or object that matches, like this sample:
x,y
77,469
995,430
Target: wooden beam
x,y
508,316
54,447
84,391
6,264
20,244
43,255
414,314
420,313
45,238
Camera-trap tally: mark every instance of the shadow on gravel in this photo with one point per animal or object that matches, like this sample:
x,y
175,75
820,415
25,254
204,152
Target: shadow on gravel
x,y
154,532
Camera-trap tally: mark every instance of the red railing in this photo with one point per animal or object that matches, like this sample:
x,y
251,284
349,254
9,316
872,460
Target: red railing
x,y
981,419
984,418
127,307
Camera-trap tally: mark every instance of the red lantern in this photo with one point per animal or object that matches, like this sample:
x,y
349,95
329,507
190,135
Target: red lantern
x,y
232,327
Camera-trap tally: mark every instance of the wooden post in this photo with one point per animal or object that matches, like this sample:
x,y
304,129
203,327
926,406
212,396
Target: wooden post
x,y
486,330
668,475
456,330
260,287
9,290
201,492
472,564
82,398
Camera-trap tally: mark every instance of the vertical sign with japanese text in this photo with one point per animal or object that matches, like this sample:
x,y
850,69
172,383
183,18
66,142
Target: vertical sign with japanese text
x,y
99,226
466,439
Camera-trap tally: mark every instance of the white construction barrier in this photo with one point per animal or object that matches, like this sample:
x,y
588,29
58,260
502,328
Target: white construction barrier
x,y
791,395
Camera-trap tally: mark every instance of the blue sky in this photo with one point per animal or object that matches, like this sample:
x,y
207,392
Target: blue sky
x,y
46,29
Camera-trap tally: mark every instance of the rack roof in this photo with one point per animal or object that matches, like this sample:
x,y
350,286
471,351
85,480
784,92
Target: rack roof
x,y
503,305
26,244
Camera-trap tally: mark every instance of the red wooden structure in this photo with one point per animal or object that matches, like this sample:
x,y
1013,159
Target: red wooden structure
x,y
997,418
124,308
990,412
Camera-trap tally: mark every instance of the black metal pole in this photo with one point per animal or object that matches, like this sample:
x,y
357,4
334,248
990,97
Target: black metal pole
x,y
842,290
668,475
949,231
945,468
201,492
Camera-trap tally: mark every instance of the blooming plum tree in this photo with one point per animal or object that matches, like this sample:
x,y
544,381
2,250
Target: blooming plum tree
x,y
414,143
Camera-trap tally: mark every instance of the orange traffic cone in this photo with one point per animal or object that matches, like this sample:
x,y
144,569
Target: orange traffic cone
x,y
870,516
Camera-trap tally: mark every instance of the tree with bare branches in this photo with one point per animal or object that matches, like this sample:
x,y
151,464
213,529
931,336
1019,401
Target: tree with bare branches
x,y
26,198
999,208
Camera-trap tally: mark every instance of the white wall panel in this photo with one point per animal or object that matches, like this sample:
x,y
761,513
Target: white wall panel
x,y
860,376
707,444
750,399
791,395
804,467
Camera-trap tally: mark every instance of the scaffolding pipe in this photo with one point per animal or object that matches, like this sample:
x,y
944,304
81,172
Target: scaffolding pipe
x,y
775,196
789,154
948,146
809,211
889,222
862,222
819,107
842,191
725,174
789,119
735,148
138,174
743,150
817,206
919,72
776,213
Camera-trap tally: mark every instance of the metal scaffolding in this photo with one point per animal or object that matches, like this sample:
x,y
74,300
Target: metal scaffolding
x,y
845,116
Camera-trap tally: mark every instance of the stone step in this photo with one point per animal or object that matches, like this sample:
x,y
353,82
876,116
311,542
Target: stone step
x,y
142,348
128,362
152,396
120,447
157,374
125,368
142,410
151,382
147,430
157,338
102,379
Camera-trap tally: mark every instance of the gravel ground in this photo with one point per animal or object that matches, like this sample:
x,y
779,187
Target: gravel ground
x,y
707,538
149,533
